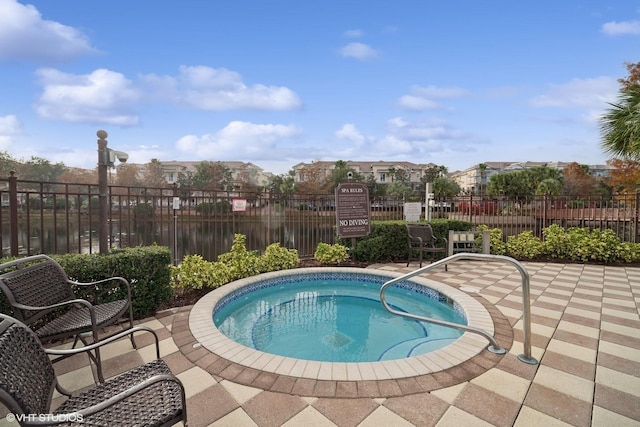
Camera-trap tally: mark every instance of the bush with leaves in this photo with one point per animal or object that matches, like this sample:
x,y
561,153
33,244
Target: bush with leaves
x,y
629,252
524,246
556,243
331,254
277,258
196,273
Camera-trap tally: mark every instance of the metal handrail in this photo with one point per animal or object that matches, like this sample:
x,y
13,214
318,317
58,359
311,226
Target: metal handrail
x,y
494,347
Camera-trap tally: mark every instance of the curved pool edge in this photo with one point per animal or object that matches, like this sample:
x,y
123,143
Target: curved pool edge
x,y
464,348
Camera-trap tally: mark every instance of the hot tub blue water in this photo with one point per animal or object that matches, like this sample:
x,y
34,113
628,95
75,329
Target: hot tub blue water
x,y
336,318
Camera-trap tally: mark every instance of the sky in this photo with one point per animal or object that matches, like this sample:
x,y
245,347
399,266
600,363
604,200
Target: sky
x,y
276,83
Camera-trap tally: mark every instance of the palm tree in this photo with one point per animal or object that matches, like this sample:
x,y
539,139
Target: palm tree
x,y
620,125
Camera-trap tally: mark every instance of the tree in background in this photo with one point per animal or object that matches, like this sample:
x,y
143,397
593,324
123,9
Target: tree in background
x,y
577,180
127,175
376,190
247,180
153,175
522,183
279,185
185,184
549,187
7,164
312,180
445,187
39,169
213,176
620,125
625,177
79,176
430,174
340,173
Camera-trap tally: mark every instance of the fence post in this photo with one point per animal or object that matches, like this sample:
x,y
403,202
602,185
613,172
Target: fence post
x,y
13,212
636,221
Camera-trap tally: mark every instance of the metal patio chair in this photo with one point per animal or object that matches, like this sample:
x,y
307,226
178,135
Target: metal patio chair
x,y
148,395
42,296
421,240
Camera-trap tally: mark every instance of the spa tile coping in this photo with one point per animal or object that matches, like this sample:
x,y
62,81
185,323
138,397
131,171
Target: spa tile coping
x,y
463,349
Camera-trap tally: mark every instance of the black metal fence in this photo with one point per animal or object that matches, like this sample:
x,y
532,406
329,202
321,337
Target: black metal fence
x,y
50,217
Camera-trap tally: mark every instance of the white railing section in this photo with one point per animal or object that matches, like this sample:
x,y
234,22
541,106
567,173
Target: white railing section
x,y
494,347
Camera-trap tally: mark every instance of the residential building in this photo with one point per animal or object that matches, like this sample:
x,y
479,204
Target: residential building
x,y
382,171
242,172
474,180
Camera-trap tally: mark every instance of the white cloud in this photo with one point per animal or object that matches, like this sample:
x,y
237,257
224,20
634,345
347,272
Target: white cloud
x,y
9,126
621,28
422,98
239,140
359,51
24,34
417,103
100,97
591,95
351,133
402,139
218,89
353,33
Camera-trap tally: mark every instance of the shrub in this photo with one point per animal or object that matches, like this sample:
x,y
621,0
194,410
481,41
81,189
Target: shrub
x,y
196,273
276,258
374,249
524,246
240,262
331,254
555,241
628,252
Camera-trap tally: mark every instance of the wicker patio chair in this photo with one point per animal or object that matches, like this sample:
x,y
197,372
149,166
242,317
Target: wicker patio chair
x,y
42,296
422,240
148,395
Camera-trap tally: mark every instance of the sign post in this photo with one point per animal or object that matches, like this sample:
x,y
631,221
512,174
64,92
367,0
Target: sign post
x,y
353,213
176,207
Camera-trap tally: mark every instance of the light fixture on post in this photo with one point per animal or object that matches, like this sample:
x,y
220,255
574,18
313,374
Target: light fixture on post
x,y
106,159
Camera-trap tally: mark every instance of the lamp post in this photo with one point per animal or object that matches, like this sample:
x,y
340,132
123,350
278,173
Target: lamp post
x,y
106,159
103,190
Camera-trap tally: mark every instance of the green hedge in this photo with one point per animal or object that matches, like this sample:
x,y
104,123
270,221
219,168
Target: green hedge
x,y
387,241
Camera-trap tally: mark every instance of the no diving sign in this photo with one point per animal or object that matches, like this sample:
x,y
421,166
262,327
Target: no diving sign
x,y
353,216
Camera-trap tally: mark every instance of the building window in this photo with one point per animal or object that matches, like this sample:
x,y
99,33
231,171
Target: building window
x,y
170,177
382,177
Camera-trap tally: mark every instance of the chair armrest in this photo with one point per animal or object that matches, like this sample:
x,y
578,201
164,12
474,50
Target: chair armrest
x,y
115,399
123,281
98,282
107,340
133,390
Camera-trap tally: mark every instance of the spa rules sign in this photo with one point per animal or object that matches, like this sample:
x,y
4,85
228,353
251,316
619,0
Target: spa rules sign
x,y
353,215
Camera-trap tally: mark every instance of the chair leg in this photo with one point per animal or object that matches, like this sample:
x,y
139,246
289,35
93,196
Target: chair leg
x,y
95,357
